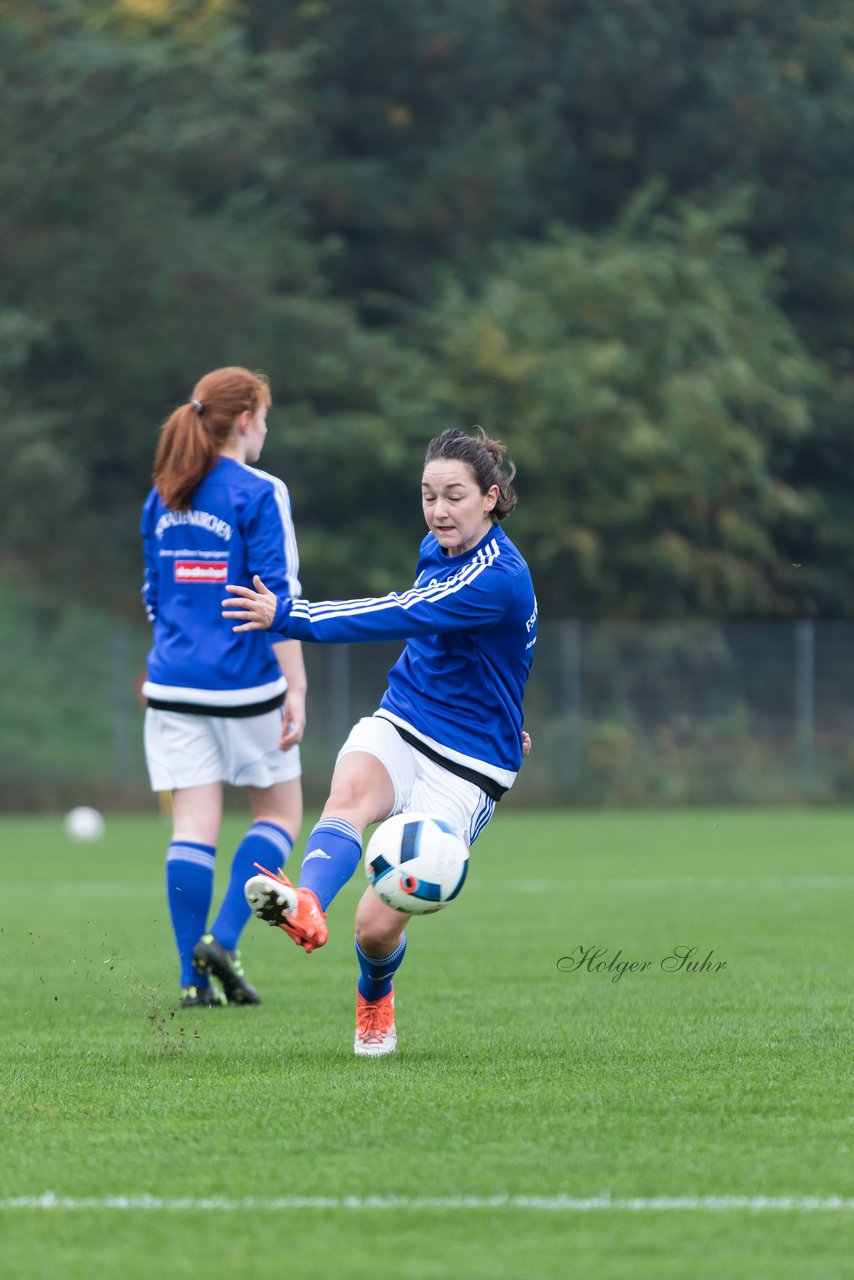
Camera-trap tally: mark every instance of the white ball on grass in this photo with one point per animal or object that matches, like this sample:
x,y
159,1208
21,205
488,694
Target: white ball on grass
x,y
83,825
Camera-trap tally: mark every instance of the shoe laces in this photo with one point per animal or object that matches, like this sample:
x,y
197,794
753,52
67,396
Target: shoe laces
x,y
274,875
374,1020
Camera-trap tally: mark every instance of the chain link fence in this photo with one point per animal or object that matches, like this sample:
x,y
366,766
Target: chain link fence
x,y
621,714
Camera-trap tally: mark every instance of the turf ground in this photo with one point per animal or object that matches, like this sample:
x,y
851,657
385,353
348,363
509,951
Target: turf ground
x,y
540,1119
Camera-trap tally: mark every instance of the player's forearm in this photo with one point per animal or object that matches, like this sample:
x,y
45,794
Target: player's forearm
x,y
290,659
439,607
348,622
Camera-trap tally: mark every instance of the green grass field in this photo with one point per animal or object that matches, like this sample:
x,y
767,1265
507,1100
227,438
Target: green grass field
x,y
523,1094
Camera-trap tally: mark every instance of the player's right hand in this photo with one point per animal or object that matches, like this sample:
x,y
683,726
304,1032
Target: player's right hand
x,y
255,610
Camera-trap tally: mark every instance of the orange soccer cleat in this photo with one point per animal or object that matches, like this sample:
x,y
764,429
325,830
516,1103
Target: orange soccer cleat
x,y
375,1030
273,898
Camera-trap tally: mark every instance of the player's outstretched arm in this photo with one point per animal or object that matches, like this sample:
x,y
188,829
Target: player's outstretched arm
x,y
255,610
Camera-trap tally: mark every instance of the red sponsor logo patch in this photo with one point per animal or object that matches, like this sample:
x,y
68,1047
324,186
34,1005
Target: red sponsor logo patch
x,y
201,570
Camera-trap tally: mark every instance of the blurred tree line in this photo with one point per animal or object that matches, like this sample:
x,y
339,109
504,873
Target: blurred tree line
x,y
617,235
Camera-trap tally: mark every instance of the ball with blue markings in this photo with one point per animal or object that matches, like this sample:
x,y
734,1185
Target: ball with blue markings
x,y
416,862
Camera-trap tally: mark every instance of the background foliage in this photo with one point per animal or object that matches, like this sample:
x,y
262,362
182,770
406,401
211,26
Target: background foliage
x,y
618,235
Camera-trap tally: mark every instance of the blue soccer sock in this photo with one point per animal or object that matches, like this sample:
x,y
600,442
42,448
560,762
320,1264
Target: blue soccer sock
x,y
189,889
332,854
378,971
264,842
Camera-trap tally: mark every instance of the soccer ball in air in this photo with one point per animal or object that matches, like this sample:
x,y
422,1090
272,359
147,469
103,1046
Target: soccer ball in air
x,y
416,862
83,825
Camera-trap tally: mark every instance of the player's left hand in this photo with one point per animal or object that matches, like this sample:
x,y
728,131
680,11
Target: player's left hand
x,y
526,743
293,724
255,609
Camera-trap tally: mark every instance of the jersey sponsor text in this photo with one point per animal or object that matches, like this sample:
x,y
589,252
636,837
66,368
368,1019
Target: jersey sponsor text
x,y
201,570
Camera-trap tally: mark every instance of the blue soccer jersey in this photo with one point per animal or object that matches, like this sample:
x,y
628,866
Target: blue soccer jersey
x,y
470,622
239,524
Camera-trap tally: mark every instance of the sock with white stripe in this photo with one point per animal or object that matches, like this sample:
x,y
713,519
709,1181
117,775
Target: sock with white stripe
x,y
332,854
378,971
189,889
264,842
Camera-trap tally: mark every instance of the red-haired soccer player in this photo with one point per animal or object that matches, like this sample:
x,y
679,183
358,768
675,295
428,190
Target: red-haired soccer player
x,y
219,710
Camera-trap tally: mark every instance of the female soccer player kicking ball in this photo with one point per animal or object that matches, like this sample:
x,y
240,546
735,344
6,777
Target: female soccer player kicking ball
x,y
447,737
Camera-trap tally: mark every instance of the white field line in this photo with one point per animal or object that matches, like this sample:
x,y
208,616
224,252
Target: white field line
x,y
553,1204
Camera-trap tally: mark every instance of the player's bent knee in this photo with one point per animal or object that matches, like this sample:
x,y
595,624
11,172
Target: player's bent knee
x,y
378,928
376,942
359,803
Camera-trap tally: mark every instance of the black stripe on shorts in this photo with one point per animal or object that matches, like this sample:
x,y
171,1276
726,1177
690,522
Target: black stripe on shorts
x,y
232,713
488,785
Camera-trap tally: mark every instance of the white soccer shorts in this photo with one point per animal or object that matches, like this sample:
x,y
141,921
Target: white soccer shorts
x,y
420,785
183,750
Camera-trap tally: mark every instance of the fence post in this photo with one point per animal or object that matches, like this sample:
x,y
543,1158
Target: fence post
x,y
569,701
805,699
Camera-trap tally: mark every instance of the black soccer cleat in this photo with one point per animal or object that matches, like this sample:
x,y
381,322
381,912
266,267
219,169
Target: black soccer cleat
x,y
193,997
209,956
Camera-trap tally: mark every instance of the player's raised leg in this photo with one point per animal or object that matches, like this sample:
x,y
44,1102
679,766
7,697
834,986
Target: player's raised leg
x,y
361,793
274,899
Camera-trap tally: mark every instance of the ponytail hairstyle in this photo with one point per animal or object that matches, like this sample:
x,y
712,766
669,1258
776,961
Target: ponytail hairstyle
x,y
484,457
192,438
